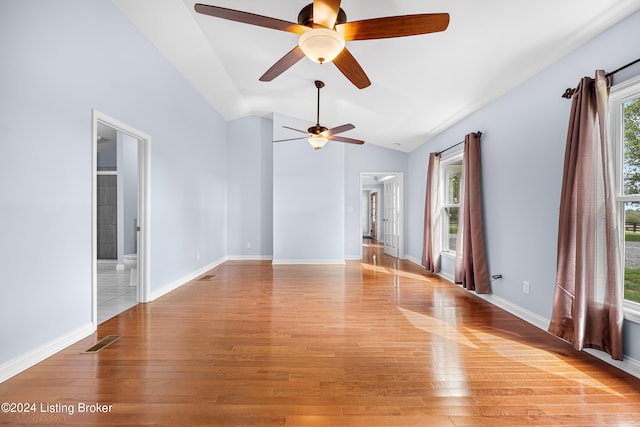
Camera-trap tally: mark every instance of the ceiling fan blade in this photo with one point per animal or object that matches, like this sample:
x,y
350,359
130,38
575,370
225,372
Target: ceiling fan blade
x,y
283,64
250,18
289,139
339,129
325,12
394,26
348,66
347,140
297,130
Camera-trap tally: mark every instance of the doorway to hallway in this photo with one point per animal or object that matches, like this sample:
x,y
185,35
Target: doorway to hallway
x,y
382,210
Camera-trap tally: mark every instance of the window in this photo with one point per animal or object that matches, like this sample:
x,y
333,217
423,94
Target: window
x,y
452,181
625,135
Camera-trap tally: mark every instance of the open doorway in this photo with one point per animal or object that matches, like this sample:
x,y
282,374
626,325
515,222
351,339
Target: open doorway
x,y
382,210
120,217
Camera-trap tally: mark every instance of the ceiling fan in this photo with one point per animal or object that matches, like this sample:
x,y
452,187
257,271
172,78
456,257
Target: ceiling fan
x,y
323,30
318,135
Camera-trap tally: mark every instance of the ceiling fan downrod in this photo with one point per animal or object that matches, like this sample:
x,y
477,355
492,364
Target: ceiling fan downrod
x,y
319,85
317,129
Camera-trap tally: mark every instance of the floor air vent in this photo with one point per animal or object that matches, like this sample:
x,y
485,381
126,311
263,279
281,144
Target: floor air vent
x,y
207,277
102,344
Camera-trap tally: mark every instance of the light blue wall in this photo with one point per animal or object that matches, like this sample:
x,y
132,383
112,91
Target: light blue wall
x,y
308,203
523,144
250,188
60,60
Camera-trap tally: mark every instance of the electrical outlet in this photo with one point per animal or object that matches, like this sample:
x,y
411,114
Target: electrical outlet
x,y
248,245
197,256
525,287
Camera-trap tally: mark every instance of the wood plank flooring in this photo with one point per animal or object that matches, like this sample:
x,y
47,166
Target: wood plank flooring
x,y
372,343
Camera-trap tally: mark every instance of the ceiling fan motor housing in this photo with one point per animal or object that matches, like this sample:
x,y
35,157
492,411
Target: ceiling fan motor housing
x,y
317,129
305,17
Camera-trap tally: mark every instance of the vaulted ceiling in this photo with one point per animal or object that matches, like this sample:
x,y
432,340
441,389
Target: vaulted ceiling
x,y
420,84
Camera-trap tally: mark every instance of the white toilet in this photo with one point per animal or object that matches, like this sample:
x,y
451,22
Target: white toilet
x,y
131,261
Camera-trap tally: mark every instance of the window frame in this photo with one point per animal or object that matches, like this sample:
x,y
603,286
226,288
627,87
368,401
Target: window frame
x,y
621,93
454,155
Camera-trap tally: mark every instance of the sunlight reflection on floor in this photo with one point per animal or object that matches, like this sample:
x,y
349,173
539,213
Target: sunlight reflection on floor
x,y
400,273
454,366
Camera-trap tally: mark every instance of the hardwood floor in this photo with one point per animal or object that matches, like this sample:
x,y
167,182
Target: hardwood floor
x,y
372,343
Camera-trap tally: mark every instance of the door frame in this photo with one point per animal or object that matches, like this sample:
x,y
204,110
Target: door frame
x,y
144,208
400,177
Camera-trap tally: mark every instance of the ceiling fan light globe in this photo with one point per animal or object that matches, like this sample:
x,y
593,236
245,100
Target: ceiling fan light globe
x,y
321,44
317,141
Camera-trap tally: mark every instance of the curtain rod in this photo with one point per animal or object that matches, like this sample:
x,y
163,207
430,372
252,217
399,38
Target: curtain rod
x,y
455,145
570,91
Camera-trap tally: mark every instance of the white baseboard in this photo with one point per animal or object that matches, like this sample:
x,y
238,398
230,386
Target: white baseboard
x,y
628,365
516,310
184,280
414,260
446,276
38,354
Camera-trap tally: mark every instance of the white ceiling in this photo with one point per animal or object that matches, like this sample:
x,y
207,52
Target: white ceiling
x,y
420,85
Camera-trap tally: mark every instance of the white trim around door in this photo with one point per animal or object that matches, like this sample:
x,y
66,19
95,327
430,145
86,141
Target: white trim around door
x,y
370,180
144,208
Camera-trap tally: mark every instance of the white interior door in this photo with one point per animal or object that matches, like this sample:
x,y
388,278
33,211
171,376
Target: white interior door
x,y
391,217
